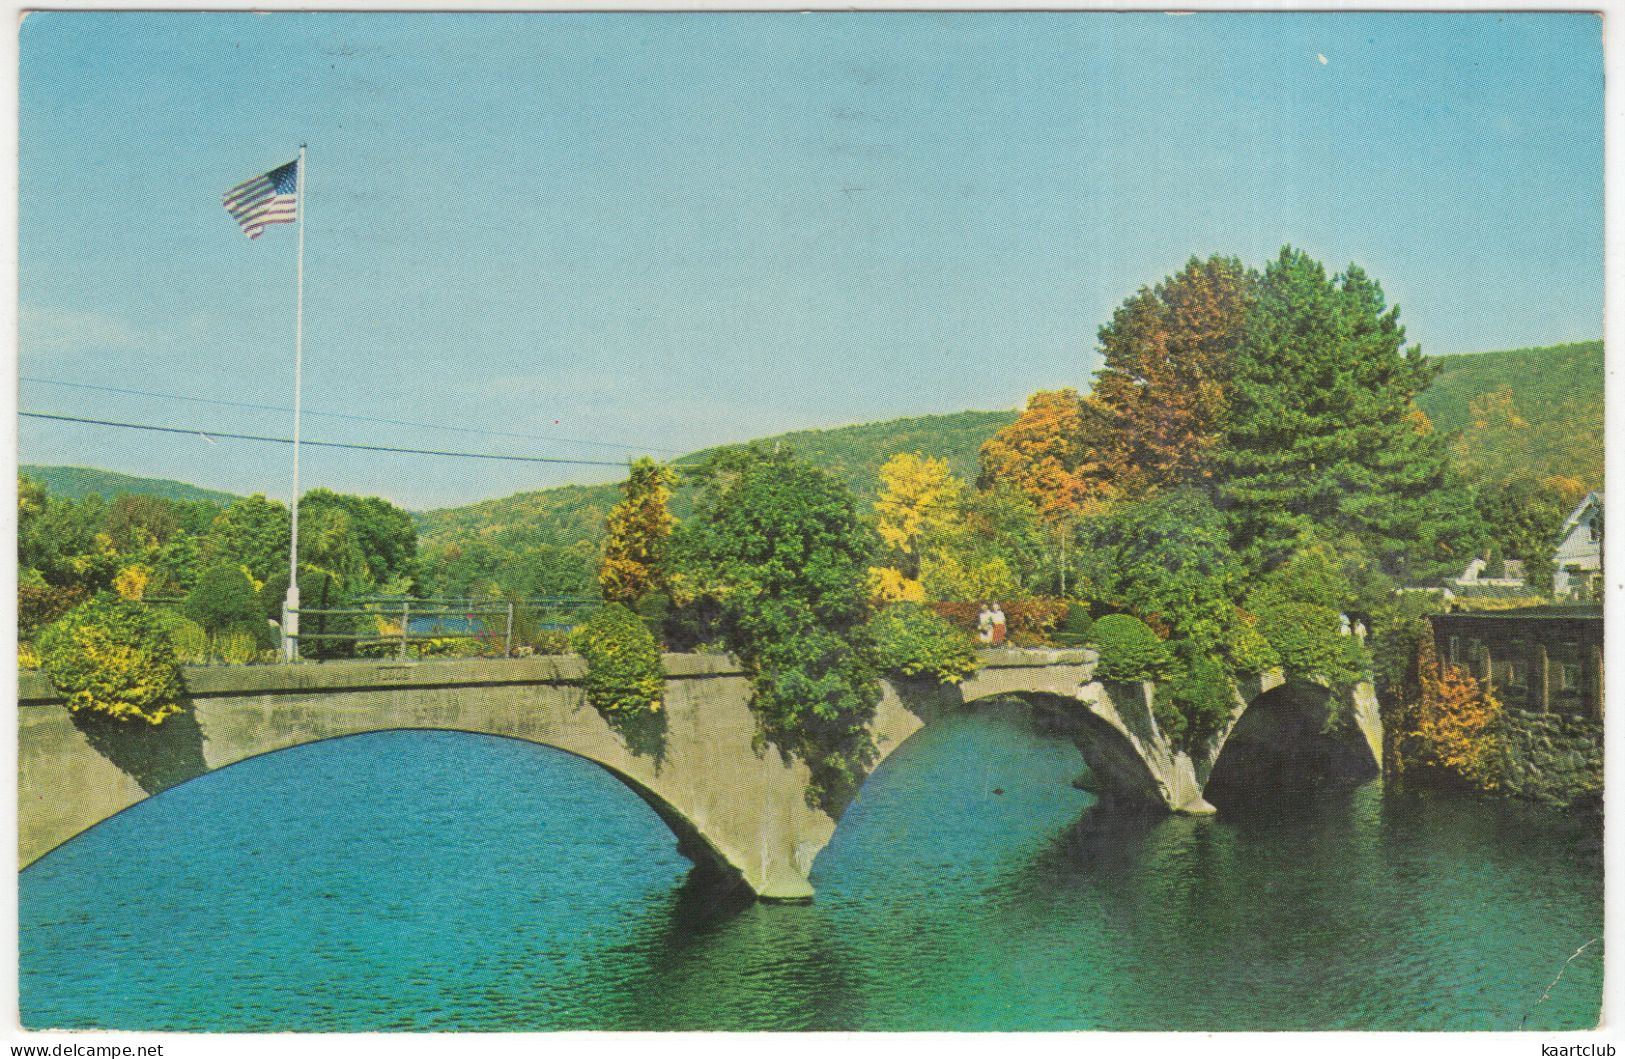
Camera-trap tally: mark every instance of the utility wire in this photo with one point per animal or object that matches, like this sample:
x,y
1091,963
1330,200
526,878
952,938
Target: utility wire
x,y
342,415
209,435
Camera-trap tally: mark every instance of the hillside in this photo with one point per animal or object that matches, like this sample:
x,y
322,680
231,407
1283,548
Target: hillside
x,y
1556,392
854,454
78,482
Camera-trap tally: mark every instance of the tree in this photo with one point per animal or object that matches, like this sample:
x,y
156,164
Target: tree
x,y
1046,454
1320,433
639,531
110,656
224,600
919,497
1167,559
776,546
375,543
1523,519
1164,388
253,533
1051,453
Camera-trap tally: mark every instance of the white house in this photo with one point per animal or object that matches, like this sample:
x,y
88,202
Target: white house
x,y
1577,566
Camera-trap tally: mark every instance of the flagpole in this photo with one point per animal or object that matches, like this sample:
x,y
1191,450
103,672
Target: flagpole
x,y
290,607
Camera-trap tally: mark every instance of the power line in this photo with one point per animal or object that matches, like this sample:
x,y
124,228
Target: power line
x,y
209,435
341,415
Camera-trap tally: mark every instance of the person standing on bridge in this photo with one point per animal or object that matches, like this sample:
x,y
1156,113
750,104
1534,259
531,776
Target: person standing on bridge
x,y
998,625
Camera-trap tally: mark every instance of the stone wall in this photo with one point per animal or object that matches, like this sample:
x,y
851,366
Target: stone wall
x,y
1552,757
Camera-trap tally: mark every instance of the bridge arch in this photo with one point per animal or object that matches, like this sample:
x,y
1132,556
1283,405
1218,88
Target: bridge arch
x,y
1294,737
691,842
731,801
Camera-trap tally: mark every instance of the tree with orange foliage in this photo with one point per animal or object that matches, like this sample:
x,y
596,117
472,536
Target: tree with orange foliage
x,y
1046,454
1050,454
1455,725
1162,393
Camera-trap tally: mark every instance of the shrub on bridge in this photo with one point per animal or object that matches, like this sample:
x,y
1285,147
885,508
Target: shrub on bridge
x,y
1196,700
1310,641
909,640
111,656
1129,651
624,675
1073,630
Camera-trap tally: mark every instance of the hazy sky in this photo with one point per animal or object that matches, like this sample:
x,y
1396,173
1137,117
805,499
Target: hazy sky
x,y
674,230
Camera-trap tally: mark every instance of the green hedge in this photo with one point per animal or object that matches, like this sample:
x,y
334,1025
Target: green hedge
x,y
908,639
1309,639
1129,650
112,656
624,675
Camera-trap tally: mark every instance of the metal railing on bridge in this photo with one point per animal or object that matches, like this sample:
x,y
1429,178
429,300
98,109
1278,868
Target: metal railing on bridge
x,y
443,627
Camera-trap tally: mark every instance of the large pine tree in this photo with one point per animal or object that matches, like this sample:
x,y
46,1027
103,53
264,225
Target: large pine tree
x,y
1320,438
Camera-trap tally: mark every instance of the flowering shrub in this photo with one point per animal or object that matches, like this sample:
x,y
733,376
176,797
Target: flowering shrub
x,y
111,656
624,676
910,640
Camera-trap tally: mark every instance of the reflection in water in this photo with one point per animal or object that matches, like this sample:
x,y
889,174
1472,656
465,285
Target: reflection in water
x,y
433,880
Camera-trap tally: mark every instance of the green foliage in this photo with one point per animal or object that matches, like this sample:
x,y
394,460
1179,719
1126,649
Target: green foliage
x,y
39,604
1311,644
1247,651
77,482
365,541
251,533
1321,432
1523,518
110,656
1073,629
188,639
909,640
1557,391
318,590
638,532
224,599
777,549
624,675
1197,699
1168,558
1129,651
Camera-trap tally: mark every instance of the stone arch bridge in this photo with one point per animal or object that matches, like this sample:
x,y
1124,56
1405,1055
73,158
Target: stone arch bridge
x,y
732,804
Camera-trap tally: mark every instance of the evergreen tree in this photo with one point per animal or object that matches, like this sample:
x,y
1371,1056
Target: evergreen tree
x,y
1320,433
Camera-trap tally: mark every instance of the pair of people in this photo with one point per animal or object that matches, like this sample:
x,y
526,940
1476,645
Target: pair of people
x,y
990,627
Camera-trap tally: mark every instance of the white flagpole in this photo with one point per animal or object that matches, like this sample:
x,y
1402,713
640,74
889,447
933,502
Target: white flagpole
x,y
290,606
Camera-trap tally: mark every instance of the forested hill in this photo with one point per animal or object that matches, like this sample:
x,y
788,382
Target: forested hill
x,y
1555,427
853,454
1539,411
78,482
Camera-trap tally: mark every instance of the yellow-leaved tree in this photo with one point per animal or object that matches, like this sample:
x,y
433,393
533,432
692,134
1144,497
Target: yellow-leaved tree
x,y
919,498
639,530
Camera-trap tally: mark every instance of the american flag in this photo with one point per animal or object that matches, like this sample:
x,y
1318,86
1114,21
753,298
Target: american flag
x,y
269,199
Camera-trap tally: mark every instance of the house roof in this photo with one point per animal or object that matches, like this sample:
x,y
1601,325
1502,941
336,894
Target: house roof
x,y
1580,513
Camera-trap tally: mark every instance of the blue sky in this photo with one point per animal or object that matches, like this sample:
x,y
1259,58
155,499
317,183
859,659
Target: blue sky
x,y
670,230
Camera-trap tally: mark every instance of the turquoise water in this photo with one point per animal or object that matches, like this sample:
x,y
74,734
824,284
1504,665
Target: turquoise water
x,y
424,880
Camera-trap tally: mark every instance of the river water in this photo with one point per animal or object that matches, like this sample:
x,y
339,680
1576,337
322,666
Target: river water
x,y
428,880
